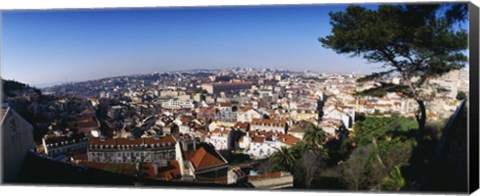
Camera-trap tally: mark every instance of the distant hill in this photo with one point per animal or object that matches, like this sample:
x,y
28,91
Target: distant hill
x,y
9,86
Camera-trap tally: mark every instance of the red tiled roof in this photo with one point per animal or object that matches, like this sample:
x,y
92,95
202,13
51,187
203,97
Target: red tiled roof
x,y
227,104
162,140
432,115
265,176
219,131
126,141
201,131
186,119
139,141
88,111
290,140
169,172
187,155
241,125
149,170
203,160
258,139
84,118
97,141
300,126
268,122
207,110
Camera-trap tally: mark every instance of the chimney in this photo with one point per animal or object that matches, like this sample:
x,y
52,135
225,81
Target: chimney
x,y
184,145
155,168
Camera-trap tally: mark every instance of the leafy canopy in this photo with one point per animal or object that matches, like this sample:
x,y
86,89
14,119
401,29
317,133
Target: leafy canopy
x,y
415,42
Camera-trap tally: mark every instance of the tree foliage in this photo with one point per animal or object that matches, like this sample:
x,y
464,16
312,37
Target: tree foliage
x,y
415,42
394,181
461,95
382,143
285,158
314,136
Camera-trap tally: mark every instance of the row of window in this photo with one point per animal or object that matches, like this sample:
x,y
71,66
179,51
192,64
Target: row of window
x,y
129,157
66,149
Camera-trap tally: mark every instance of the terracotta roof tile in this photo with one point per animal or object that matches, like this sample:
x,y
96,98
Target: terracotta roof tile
x,y
265,176
97,141
242,125
227,104
126,141
289,139
245,109
203,160
161,140
169,172
258,139
201,131
268,122
139,141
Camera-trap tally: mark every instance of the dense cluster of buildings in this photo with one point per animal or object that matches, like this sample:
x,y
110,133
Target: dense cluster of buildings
x,y
178,125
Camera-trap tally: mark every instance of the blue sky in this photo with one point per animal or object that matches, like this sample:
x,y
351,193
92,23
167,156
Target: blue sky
x,y
42,47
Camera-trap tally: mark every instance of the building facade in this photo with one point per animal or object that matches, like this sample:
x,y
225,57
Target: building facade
x,y
158,150
64,144
17,139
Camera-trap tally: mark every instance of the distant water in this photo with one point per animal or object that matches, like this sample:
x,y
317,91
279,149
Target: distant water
x,y
46,85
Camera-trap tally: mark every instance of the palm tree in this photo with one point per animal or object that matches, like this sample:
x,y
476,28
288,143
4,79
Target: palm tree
x,y
300,147
284,157
314,136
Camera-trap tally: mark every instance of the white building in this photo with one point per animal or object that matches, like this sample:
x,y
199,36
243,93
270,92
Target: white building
x,y
247,115
269,125
178,104
262,144
219,138
17,139
64,144
262,148
225,112
158,150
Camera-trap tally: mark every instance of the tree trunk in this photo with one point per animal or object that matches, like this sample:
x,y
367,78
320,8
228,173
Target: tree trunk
x,y
308,183
421,117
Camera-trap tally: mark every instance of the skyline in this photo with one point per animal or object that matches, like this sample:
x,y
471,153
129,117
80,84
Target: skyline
x,y
58,46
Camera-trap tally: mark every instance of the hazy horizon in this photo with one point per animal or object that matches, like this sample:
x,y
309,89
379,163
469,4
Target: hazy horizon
x,y
51,84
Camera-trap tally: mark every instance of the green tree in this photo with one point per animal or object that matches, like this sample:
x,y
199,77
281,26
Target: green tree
x,y
461,95
300,147
354,170
394,181
415,42
285,158
314,136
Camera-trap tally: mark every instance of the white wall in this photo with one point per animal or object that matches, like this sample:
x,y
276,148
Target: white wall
x,y
17,138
